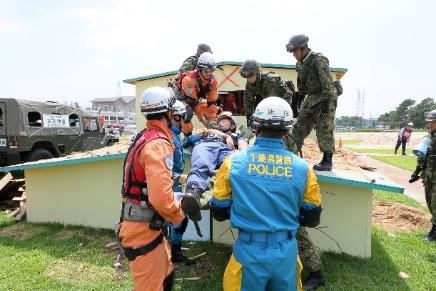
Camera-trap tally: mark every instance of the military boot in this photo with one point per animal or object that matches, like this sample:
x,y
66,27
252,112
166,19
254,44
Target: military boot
x,y
178,257
432,234
326,163
191,202
313,281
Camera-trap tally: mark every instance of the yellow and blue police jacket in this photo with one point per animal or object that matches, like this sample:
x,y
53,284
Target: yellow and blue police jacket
x,y
266,189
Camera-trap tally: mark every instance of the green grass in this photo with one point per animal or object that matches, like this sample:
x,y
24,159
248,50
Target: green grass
x,y
396,197
5,220
403,162
372,151
54,257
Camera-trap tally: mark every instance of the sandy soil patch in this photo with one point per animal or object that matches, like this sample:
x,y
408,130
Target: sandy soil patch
x,y
393,217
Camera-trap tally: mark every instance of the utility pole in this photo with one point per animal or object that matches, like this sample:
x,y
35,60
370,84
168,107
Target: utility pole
x,y
119,89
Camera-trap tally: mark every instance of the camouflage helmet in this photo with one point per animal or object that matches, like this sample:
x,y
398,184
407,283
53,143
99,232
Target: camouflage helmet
x,y
297,41
228,115
249,68
431,116
204,48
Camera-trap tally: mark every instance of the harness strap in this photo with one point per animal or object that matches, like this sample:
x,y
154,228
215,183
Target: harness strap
x,y
133,196
132,253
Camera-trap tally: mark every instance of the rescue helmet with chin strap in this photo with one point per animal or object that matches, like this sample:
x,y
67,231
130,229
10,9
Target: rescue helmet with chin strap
x,y
272,113
179,109
206,61
156,100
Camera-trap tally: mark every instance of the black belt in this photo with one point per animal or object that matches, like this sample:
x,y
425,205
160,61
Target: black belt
x,y
132,253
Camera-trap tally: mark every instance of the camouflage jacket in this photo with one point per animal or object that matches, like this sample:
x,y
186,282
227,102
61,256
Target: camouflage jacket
x,y
189,64
314,79
268,84
428,163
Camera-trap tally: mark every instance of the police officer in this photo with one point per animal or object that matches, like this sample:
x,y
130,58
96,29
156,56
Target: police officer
x,y
179,115
266,192
318,109
191,62
426,169
261,85
148,196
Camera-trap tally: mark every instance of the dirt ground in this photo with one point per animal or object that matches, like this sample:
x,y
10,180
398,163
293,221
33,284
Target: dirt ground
x,y
393,217
378,139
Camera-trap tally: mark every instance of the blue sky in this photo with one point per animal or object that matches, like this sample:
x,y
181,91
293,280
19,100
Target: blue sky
x,y
80,50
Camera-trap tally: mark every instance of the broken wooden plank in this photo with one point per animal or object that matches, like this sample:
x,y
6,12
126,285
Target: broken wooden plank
x,y
22,214
20,198
15,212
5,181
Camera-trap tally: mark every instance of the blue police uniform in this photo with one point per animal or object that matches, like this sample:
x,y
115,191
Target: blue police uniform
x,y
266,191
178,168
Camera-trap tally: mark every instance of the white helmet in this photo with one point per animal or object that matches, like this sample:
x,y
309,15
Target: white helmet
x,y
179,108
206,61
410,124
272,113
156,100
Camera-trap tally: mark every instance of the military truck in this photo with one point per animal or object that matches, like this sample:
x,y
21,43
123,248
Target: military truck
x,y
32,130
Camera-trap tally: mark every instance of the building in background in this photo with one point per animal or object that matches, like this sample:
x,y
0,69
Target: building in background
x,y
116,112
231,85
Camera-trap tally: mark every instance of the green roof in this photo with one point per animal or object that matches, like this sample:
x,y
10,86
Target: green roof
x,y
230,63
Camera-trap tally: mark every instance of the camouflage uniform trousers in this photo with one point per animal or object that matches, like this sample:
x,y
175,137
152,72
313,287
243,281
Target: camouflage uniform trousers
x,y
290,144
430,193
308,118
309,254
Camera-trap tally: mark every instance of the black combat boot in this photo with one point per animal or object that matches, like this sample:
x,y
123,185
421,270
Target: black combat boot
x,y
313,281
191,202
178,257
432,234
326,163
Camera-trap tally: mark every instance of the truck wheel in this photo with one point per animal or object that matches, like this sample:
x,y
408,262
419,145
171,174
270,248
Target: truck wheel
x,y
39,154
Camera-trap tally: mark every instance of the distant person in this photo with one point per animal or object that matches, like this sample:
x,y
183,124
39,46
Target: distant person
x,y
404,137
191,62
426,169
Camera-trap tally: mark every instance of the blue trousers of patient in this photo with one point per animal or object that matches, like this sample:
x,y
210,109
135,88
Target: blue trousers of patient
x,y
207,156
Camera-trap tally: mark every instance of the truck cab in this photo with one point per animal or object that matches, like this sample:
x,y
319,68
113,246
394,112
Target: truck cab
x,y
34,130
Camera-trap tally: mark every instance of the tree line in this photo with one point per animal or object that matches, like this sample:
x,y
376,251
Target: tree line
x,y
407,111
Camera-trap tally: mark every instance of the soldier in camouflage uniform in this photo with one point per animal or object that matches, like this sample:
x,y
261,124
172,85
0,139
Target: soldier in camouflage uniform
x,y
319,106
316,97
426,169
261,85
191,62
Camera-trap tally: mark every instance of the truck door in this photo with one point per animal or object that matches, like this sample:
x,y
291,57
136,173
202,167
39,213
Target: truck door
x,y
92,135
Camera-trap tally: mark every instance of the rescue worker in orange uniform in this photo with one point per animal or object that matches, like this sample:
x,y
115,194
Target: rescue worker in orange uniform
x,y
200,93
149,200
